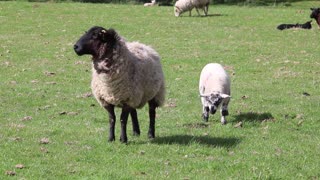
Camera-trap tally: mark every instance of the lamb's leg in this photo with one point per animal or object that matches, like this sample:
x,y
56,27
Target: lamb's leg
x,y
224,111
135,122
124,119
112,121
152,115
205,113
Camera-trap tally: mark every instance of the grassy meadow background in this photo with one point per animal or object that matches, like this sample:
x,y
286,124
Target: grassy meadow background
x,y
51,128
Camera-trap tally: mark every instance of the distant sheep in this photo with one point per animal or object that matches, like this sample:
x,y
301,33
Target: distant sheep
x,y
306,25
153,3
124,74
182,6
214,89
316,15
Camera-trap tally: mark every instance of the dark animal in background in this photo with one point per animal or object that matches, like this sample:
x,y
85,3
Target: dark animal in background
x,y
315,14
306,25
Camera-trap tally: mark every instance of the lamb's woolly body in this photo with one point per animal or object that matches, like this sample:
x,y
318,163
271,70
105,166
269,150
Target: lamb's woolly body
x,y
137,78
214,89
188,5
214,78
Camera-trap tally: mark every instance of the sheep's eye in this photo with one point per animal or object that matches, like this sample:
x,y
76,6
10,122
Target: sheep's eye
x,y
94,35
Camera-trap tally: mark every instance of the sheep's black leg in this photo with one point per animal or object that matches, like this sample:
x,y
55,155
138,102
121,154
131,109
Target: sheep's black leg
x,y
123,119
112,121
206,9
135,122
152,115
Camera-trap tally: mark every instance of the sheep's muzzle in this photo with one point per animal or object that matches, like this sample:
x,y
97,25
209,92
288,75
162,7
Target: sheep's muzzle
x,y
78,50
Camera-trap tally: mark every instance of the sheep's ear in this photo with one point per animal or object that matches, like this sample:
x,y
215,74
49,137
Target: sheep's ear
x,y
109,36
225,96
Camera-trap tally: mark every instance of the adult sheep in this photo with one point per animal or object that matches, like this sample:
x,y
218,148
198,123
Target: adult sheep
x,y
214,89
124,74
182,6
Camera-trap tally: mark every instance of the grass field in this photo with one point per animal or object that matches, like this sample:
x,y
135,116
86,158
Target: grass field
x,y
51,129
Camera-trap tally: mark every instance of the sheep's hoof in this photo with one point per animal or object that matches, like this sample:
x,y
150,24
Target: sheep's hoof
x,y
111,139
136,132
223,122
124,140
151,135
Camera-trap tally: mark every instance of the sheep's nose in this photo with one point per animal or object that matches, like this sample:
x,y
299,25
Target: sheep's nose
x,y
75,47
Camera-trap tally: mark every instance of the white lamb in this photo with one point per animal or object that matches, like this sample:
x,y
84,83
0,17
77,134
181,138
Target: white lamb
x,y
182,6
153,3
124,74
214,89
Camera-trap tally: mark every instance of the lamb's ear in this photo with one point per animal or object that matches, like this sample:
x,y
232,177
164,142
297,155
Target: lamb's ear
x,y
225,96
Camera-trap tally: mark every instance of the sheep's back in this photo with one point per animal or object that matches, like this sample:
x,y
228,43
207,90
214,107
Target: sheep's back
x,y
184,5
200,3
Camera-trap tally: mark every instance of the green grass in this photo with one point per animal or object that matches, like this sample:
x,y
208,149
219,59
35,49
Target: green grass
x,y
41,77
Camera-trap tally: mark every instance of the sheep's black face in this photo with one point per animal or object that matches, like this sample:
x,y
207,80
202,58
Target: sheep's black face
x,y
315,13
91,41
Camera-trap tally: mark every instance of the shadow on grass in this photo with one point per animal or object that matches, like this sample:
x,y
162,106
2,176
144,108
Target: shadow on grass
x,y
253,117
213,15
204,140
195,15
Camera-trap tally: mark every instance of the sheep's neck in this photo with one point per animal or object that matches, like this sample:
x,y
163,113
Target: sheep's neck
x,y
103,62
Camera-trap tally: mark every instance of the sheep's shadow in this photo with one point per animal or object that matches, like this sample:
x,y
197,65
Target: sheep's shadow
x,y
204,140
213,15
202,16
253,117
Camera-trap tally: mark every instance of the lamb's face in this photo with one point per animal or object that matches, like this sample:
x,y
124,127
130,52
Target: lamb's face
x,y
214,101
315,13
92,40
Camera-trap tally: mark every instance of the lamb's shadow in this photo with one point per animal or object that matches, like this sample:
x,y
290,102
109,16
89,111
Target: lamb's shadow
x,y
204,140
253,117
